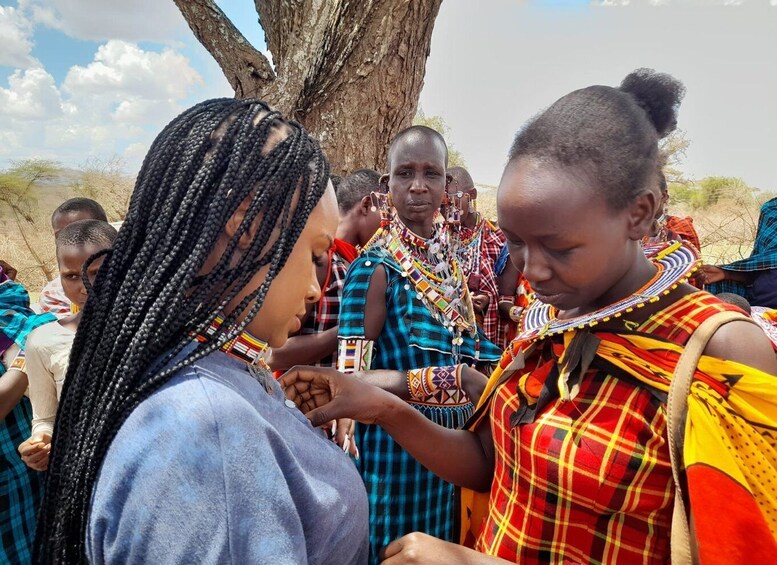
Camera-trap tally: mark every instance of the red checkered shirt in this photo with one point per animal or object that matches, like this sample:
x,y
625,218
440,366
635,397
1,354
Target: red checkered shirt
x,y
587,480
326,313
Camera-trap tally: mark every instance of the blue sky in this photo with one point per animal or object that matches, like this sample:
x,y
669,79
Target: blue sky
x,y
93,78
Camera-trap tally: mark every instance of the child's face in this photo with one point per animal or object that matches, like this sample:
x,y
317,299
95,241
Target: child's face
x,y
71,259
417,178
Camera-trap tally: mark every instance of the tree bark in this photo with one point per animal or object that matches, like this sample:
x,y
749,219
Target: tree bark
x,y
349,70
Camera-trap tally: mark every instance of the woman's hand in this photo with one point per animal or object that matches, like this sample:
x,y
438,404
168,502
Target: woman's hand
x,y
35,452
422,548
712,274
480,303
324,395
341,432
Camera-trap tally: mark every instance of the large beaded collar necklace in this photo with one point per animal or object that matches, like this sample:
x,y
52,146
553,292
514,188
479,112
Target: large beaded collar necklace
x,y
431,267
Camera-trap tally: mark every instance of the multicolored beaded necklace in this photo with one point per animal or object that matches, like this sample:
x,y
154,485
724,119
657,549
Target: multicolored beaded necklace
x,y
244,347
469,252
674,262
433,270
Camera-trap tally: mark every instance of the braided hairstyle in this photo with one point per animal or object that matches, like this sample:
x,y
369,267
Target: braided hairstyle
x,y
610,133
150,296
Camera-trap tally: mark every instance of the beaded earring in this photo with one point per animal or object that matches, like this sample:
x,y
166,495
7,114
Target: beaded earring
x,y
453,209
382,201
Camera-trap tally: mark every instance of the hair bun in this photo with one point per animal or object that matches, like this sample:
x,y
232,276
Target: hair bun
x,y
659,94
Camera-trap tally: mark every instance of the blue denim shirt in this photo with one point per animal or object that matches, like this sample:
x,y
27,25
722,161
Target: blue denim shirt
x,y
211,468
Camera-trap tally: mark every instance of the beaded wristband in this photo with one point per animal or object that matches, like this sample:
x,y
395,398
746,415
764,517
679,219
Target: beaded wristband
x,y
515,313
354,355
424,383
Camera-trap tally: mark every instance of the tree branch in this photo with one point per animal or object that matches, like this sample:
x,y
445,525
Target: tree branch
x,y
246,68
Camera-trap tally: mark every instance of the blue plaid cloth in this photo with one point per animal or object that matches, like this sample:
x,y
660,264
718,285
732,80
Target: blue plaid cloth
x,y
21,488
404,497
763,257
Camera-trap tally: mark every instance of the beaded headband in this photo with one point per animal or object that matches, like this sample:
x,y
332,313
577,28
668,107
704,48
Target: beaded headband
x,y
676,263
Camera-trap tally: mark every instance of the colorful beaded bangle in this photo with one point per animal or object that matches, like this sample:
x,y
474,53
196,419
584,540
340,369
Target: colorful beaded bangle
x,y
424,383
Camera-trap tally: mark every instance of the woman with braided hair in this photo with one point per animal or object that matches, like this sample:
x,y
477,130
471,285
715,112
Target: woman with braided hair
x,y
173,442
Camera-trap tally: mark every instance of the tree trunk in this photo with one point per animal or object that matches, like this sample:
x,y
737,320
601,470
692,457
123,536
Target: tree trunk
x,y
349,70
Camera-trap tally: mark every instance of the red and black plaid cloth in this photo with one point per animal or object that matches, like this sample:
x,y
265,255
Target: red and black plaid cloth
x,y
587,480
491,244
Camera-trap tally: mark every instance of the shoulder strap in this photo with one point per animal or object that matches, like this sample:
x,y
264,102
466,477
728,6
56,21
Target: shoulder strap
x,y
683,550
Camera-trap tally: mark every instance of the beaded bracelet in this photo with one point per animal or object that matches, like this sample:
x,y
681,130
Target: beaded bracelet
x,y
354,355
424,383
515,313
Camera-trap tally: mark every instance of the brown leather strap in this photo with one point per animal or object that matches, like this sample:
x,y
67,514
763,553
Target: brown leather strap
x,y
683,547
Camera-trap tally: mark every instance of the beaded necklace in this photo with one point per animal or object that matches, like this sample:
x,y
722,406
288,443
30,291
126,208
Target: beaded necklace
x,y
674,263
433,269
244,347
469,253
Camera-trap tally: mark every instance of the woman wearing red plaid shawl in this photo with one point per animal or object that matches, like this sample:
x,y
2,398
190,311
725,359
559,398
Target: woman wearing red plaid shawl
x,y
570,436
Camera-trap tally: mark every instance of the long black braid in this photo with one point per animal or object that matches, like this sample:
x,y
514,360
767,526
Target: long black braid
x,y
150,297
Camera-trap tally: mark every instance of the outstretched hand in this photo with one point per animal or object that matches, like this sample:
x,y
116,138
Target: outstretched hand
x,y
324,395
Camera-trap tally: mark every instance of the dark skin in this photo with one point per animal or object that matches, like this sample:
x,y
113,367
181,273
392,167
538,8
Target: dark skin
x,y
539,208
12,387
359,224
507,283
59,221
356,227
417,182
70,259
8,269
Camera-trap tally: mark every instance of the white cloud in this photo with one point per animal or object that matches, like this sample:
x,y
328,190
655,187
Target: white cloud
x,y
16,31
130,20
31,95
114,104
123,68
